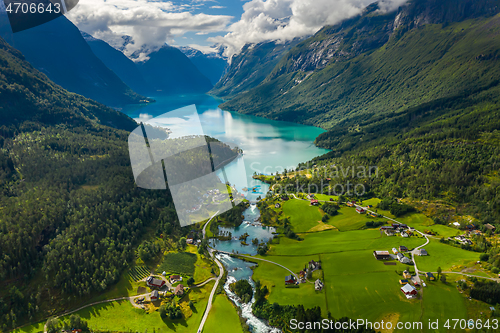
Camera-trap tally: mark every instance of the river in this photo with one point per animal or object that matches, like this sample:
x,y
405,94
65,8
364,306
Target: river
x,y
268,146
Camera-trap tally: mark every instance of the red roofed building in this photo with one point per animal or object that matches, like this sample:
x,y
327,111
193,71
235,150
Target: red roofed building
x,y
360,210
154,283
409,290
314,202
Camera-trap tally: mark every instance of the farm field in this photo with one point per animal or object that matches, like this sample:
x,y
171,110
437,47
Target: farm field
x,y
334,242
273,277
443,301
348,219
357,285
326,197
178,262
223,317
444,256
302,215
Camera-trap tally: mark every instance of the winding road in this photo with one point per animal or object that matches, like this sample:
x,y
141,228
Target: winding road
x,y
214,289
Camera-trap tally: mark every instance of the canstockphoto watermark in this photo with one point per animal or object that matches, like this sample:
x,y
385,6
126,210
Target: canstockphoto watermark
x,y
327,324
188,161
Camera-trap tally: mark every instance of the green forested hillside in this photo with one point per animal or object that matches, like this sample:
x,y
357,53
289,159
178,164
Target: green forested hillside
x,y
70,213
421,66
414,92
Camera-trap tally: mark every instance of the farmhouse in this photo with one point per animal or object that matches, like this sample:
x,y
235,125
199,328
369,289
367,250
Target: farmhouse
x,y
189,241
430,276
175,278
372,214
403,248
404,260
154,283
421,252
310,196
277,205
404,234
179,290
289,279
154,295
318,285
403,281
389,232
406,274
360,210
351,203
314,265
409,290
314,202
382,255
394,250
302,274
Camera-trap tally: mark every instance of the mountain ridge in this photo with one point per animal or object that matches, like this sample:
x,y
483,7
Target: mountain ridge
x,y
68,61
367,72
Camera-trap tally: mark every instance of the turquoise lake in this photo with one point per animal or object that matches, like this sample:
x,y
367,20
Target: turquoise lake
x,y
268,145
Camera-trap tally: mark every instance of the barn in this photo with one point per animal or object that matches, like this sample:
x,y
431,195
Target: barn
x,y
382,255
409,290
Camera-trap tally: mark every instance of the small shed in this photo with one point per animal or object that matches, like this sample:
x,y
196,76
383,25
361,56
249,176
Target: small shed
x,y
289,279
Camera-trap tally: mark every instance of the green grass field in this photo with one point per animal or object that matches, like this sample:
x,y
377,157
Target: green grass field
x,y
444,256
348,219
181,263
223,317
303,216
203,267
273,277
357,285
335,242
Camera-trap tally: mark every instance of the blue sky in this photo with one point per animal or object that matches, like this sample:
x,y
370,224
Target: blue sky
x,y
203,23
232,8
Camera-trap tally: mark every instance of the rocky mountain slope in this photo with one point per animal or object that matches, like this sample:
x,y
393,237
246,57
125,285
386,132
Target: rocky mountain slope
x,y
381,63
250,67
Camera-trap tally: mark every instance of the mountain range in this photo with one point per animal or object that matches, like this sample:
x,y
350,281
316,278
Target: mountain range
x,y
378,65
250,67
57,49
168,70
29,100
212,65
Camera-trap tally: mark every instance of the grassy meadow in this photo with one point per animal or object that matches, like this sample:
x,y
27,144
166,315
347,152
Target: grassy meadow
x,y
223,317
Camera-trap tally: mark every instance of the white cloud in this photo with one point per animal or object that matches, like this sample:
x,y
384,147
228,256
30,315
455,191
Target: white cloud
x,y
150,23
286,19
217,7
